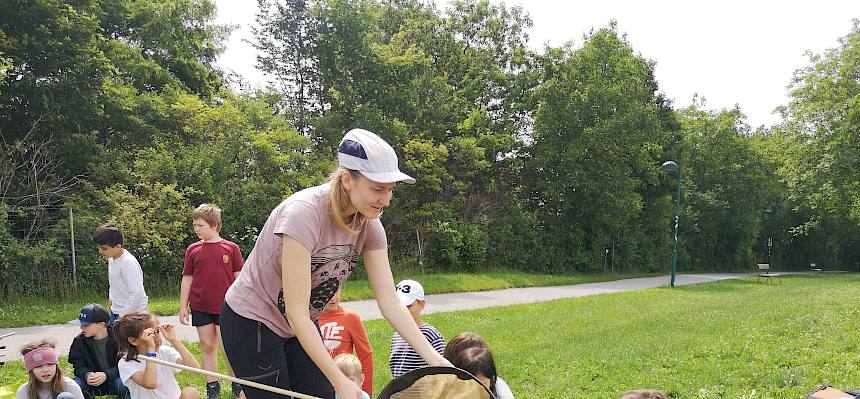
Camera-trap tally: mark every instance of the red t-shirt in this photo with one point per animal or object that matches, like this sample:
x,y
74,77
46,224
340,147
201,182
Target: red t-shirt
x,y
342,332
212,264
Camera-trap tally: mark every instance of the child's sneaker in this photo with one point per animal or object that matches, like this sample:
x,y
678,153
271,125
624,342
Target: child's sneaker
x,y
213,390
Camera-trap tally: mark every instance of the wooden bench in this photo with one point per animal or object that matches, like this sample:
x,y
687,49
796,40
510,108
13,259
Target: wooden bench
x,y
764,272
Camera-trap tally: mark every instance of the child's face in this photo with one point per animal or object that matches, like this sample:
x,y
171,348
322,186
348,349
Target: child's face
x,y
45,372
203,230
92,329
357,379
334,302
416,307
157,338
110,251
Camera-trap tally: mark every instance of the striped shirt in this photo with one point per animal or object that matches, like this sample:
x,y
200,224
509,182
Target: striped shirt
x,y
404,359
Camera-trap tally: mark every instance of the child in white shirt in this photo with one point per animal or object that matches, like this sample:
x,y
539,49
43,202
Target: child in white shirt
x,y
138,334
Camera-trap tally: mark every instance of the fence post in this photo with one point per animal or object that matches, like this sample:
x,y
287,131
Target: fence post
x,y
74,261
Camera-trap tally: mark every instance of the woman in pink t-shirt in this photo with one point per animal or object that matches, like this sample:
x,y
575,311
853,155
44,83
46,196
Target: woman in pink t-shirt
x,y
306,250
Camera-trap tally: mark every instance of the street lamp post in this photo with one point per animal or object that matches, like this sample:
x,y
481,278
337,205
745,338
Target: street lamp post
x,y
672,166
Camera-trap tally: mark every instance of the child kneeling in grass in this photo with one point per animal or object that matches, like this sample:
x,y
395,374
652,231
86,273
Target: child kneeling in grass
x,y
138,334
46,377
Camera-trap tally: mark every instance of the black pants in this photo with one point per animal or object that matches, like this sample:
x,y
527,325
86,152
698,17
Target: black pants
x,y
257,354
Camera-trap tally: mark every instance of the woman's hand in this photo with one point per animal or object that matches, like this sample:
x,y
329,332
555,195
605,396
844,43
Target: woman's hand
x,y
347,389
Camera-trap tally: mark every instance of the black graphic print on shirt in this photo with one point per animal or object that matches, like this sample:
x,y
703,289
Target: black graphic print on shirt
x,y
330,266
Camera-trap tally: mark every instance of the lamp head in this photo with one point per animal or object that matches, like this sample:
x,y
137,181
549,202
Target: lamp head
x,y
670,165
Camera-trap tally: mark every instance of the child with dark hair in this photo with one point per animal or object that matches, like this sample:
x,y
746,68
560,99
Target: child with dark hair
x,y
41,361
139,334
125,277
470,352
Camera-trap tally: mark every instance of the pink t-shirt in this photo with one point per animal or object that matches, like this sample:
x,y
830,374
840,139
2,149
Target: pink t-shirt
x,y
305,216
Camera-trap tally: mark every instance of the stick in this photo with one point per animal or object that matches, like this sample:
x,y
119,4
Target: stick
x,y
7,335
257,385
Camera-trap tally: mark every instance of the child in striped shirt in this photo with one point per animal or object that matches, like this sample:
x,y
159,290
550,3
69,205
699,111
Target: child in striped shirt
x,y
403,358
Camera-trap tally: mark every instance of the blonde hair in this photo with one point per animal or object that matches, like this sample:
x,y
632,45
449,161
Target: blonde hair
x,y
643,394
58,384
209,213
340,202
349,365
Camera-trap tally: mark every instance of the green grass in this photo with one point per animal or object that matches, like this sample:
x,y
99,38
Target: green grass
x,y
729,339
41,311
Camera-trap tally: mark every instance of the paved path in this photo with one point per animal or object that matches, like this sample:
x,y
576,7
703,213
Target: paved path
x,y
64,333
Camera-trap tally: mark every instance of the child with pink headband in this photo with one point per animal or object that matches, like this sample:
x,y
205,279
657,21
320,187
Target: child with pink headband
x,y
46,378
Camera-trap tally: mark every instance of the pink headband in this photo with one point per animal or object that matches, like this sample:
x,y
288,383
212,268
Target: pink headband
x,y
40,357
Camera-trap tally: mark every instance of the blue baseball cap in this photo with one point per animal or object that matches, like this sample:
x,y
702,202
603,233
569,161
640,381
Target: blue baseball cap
x,y
92,313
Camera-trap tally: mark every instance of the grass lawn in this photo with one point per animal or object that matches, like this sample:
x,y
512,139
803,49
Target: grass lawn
x,y
40,311
728,339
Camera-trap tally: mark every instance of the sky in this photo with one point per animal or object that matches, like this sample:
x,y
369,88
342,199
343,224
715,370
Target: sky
x,y
728,52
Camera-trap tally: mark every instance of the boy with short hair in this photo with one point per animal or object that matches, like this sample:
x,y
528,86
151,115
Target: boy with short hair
x,y
93,355
403,358
211,266
125,277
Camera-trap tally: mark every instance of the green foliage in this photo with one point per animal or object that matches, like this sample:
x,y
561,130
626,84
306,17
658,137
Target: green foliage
x,y
820,162
726,182
460,247
27,269
593,167
530,160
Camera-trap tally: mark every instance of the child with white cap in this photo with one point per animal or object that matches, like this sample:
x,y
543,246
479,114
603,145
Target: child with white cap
x,y
403,358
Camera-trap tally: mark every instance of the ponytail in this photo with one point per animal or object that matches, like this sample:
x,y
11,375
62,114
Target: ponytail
x,y
340,202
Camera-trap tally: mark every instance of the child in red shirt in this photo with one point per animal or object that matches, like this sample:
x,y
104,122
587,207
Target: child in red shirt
x,y
342,332
211,266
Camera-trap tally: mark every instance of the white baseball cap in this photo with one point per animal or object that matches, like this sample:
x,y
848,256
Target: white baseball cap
x,y
409,291
367,153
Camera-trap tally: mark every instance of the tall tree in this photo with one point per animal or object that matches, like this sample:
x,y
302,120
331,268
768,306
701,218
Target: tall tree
x,y
597,142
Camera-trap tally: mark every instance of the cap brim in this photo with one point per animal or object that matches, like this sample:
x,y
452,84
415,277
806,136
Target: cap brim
x,y
79,323
406,299
388,177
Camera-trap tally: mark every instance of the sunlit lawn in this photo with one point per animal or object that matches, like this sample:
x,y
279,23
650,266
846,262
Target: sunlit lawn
x,y
729,339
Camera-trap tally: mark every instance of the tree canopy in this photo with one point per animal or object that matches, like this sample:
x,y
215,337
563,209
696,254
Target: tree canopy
x,y
534,160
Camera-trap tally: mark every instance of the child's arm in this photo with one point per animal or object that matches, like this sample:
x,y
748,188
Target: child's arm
x,y
184,293
379,273
186,358
148,378
134,280
363,350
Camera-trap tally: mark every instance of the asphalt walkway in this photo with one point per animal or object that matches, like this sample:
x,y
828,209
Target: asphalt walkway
x,y
64,333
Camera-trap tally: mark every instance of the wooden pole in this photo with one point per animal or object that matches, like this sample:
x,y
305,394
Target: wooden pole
x,y
257,385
